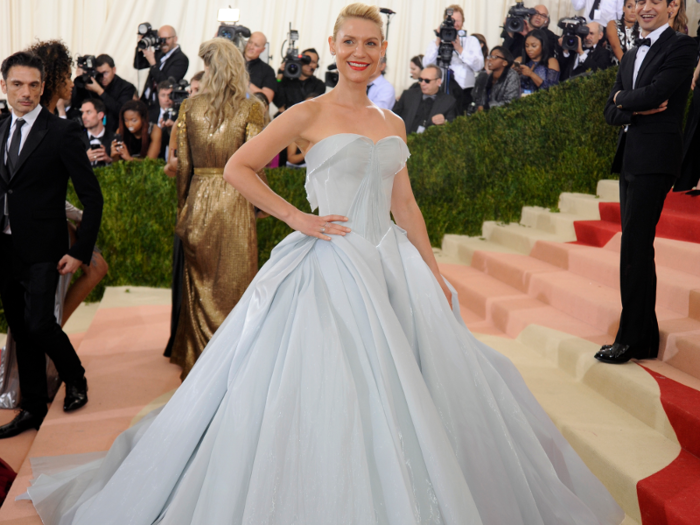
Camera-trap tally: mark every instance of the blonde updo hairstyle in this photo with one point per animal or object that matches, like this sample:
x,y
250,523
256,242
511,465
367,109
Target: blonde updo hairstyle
x,y
225,84
359,10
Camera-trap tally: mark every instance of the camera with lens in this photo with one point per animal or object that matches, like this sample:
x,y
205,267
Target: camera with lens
x,y
293,61
447,34
573,29
235,34
332,76
88,64
149,37
517,16
178,96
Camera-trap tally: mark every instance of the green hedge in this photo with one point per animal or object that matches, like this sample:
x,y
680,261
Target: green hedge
x,y
488,166
484,167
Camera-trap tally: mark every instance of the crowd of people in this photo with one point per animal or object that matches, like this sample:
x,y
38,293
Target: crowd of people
x,y
119,124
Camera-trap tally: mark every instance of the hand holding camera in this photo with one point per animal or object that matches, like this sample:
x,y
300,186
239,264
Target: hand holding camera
x,y
574,31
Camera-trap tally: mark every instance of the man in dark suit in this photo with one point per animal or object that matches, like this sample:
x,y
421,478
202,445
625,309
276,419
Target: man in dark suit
x,y
168,62
40,152
160,116
592,54
96,138
427,107
648,100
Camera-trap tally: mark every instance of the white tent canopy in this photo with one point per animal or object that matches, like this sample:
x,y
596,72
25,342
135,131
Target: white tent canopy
x,y
109,26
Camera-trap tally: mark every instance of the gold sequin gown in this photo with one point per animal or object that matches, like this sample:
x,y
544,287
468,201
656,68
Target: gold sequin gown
x,y
216,225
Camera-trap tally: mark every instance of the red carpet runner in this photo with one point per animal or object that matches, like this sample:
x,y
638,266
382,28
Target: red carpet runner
x,y
672,495
680,220
7,476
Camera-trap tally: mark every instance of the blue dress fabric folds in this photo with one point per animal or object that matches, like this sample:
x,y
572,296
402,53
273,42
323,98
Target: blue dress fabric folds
x,y
342,389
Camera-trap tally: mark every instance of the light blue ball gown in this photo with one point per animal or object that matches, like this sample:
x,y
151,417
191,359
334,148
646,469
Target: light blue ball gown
x,y
342,389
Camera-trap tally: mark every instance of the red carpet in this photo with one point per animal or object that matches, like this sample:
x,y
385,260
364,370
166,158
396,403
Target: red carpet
x,y
672,495
680,220
7,476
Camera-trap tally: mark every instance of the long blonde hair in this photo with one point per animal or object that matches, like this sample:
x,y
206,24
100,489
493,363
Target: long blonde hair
x,y
225,84
358,10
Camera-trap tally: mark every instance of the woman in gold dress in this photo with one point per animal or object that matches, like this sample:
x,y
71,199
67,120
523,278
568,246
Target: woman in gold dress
x,y
215,222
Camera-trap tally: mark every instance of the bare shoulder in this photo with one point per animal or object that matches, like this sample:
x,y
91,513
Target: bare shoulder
x,y
301,116
395,123
553,63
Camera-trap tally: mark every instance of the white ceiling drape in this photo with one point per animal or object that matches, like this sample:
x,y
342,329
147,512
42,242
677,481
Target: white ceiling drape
x,y
109,26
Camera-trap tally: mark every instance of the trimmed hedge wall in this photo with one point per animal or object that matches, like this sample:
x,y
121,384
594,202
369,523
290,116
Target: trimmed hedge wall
x,y
484,167
490,165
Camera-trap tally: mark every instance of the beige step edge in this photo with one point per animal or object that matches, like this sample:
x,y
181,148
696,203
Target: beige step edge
x,y
619,449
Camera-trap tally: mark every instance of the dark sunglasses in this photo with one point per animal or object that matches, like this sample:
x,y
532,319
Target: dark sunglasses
x,y
426,80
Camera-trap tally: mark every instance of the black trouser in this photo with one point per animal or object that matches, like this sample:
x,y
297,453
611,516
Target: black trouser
x,y
28,294
176,292
641,201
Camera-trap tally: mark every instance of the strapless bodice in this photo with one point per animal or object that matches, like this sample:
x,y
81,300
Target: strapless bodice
x,y
348,174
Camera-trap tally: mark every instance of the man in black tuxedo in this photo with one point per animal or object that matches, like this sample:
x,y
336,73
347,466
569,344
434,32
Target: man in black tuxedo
x,y
427,107
648,100
96,138
40,152
592,54
168,62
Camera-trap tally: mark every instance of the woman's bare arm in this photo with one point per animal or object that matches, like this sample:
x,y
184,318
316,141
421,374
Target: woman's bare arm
x,y
614,39
255,154
154,147
409,217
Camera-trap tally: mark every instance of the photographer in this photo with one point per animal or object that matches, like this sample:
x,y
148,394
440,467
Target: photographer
x,y
165,60
592,54
515,42
262,76
294,90
160,116
97,139
109,87
467,60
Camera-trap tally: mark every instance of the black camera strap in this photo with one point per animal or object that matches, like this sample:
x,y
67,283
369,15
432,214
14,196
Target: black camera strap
x,y
595,7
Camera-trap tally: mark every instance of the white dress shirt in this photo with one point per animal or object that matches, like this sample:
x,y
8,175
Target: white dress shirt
x,y
382,93
465,65
643,50
29,120
607,10
611,10
166,56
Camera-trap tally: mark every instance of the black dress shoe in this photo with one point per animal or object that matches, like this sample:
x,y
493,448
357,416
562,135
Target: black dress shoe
x,y
76,395
23,421
616,354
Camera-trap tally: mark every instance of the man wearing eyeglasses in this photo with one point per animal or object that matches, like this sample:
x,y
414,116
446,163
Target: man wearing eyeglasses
x,y
515,42
427,107
168,62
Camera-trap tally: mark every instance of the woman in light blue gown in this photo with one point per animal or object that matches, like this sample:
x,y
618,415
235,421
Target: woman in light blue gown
x,y
344,387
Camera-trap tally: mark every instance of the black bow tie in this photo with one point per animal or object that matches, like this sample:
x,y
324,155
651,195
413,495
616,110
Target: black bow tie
x,y
643,42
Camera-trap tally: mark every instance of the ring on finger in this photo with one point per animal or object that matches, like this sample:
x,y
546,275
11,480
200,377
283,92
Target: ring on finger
x,y
323,229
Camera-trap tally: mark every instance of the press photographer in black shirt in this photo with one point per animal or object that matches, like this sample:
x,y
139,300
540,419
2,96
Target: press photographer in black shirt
x,y
294,90
262,76
167,62
109,87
